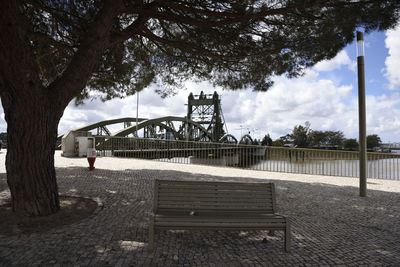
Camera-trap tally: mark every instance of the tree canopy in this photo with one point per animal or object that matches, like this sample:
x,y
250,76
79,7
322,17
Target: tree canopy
x,y
52,51
350,144
373,141
301,135
266,141
234,44
326,138
304,137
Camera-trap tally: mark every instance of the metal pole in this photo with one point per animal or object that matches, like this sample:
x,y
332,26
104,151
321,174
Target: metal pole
x,y
361,114
187,129
137,112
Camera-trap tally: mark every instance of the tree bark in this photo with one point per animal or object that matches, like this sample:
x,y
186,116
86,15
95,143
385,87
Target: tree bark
x,y
33,111
32,132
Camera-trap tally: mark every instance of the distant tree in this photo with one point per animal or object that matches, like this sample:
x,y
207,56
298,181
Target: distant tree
x,y
373,141
55,51
335,138
350,144
278,142
285,139
3,137
266,141
326,138
318,138
300,135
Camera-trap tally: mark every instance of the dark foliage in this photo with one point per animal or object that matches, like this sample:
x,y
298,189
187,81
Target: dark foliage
x,y
266,141
53,51
235,44
350,144
326,138
373,141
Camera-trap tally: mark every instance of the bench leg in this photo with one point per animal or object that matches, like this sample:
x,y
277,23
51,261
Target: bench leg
x,y
151,235
271,233
287,237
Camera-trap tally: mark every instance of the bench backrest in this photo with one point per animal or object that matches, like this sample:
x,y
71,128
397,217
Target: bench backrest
x,y
201,195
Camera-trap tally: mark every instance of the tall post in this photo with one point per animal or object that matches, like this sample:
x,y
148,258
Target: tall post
x,y
137,112
187,129
189,116
361,114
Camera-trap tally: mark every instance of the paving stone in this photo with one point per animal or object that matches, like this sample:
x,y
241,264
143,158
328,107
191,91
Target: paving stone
x,y
331,225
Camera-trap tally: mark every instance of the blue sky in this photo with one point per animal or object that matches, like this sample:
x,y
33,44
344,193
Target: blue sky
x,y
326,96
375,56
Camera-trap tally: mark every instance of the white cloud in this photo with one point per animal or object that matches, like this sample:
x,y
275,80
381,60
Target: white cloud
x,y
383,116
324,103
292,102
3,124
341,59
327,104
392,62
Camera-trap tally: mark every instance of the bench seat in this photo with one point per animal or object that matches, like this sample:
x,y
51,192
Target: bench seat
x,y
220,219
188,205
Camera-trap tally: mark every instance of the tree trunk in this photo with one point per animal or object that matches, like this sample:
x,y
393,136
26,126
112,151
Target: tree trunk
x,y
32,132
32,110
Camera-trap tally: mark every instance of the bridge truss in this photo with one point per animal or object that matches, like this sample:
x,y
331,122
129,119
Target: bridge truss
x,y
205,109
204,122
169,127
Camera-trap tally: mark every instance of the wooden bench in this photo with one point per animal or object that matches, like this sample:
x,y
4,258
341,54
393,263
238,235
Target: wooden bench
x,y
193,205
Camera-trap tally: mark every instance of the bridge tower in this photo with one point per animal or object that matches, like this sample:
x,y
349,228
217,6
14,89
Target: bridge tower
x,y
205,109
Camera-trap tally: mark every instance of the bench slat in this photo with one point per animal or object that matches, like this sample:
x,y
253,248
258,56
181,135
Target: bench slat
x,y
200,219
221,201
219,187
217,214
242,227
238,205
204,197
216,226
216,197
210,208
228,186
222,211
214,193
208,183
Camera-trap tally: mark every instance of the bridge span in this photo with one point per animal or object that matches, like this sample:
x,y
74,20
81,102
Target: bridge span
x,y
204,122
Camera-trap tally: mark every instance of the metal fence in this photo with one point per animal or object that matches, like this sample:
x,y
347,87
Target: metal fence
x,y
277,159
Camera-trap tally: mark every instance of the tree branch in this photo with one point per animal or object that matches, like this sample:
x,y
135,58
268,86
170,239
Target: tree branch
x,y
41,37
129,31
186,47
17,60
86,60
64,19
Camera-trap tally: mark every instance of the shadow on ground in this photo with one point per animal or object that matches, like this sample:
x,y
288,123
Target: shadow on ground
x,y
331,225
72,210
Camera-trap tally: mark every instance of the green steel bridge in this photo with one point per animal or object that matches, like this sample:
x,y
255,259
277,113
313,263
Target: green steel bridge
x,y
204,123
168,127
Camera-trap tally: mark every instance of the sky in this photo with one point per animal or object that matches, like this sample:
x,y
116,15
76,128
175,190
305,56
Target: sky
x,y
326,96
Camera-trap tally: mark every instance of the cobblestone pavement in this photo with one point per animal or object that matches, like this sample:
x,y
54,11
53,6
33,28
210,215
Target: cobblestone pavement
x,y
331,225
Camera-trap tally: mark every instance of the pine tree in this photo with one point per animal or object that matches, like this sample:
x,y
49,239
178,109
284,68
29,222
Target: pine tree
x,y
55,51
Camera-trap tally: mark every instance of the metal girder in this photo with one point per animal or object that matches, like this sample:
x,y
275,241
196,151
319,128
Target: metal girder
x,y
102,129
205,109
167,124
228,138
245,139
104,123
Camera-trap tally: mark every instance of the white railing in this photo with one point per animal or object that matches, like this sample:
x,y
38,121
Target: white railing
x,y
277,159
